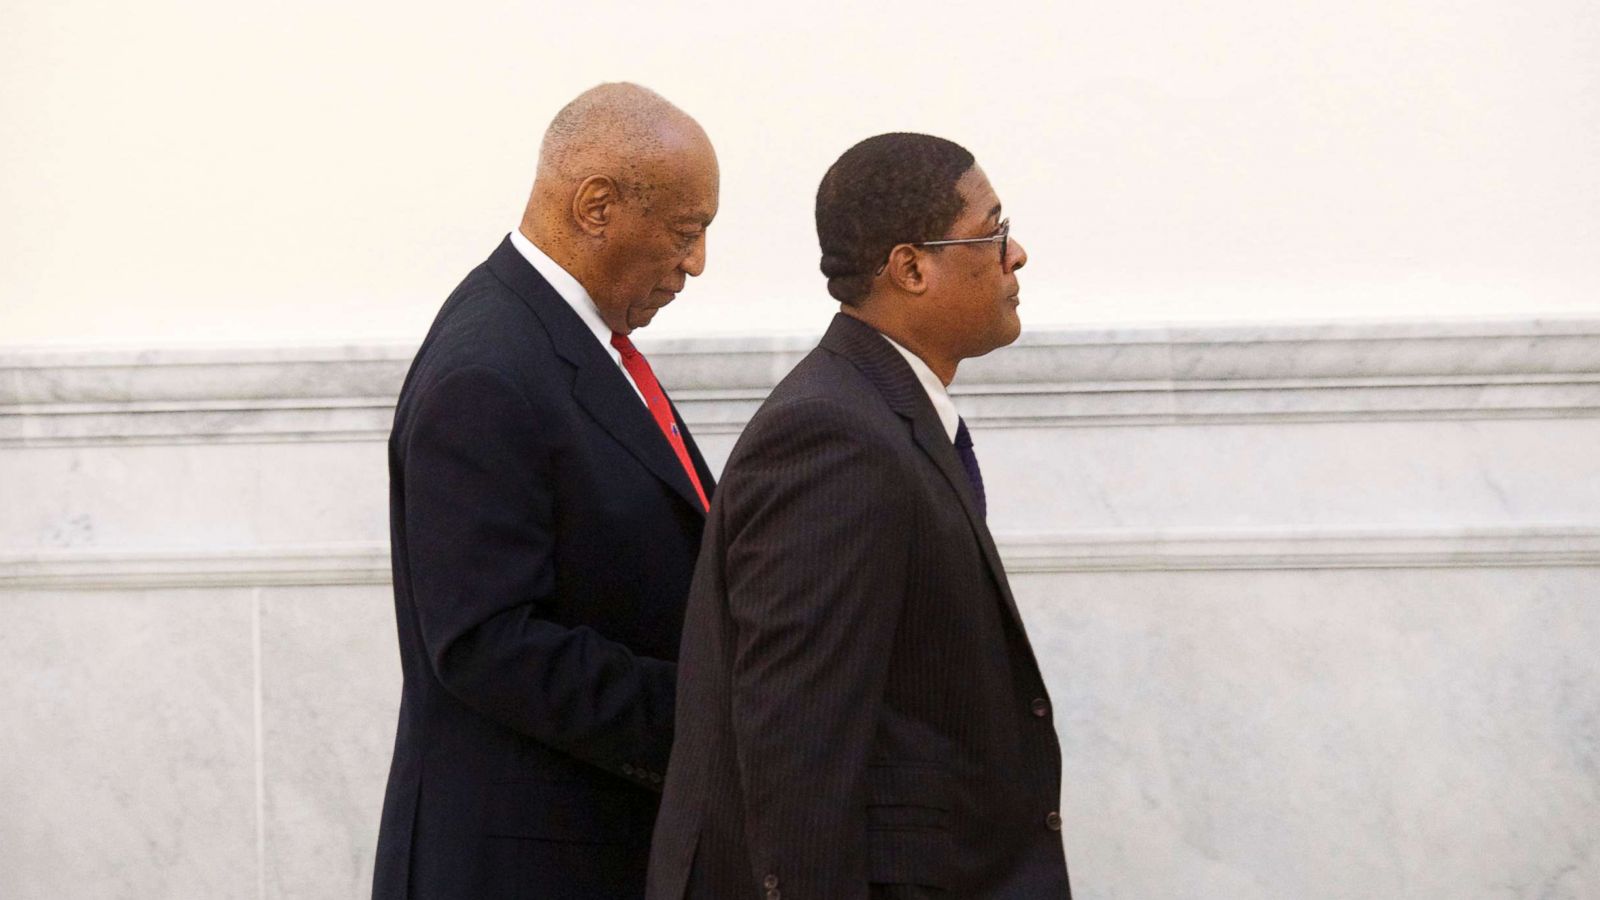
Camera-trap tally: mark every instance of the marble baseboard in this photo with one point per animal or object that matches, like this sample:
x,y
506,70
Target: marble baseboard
x,y
1322,733
367,563
330,688
1135,376
128,752
1426,734
1234,734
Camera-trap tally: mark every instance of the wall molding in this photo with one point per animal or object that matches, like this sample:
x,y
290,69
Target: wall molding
x,y
1513,546
367,563
1153,375
352,563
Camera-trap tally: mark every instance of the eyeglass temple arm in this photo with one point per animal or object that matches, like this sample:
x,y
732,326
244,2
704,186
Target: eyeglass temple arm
x,y
993,238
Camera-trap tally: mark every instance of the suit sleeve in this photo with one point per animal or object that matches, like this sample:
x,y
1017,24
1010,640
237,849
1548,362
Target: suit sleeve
x,y
479,518
816,573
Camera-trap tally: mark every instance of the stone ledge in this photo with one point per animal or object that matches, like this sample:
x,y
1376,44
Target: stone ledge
x,y
367,563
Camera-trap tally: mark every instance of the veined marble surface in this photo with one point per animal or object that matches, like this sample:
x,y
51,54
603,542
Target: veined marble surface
x,y
1316,604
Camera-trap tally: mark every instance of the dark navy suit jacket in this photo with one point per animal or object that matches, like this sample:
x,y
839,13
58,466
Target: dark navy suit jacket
x,y
543,540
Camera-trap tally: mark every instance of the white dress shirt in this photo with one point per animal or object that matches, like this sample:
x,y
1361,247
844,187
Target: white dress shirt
x,y
576,297
942,404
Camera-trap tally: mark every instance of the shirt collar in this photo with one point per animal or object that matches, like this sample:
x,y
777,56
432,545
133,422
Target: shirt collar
x,y
565,285
942,404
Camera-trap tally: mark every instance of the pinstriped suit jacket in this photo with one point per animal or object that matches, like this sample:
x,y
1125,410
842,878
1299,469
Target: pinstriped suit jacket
x,y
860,714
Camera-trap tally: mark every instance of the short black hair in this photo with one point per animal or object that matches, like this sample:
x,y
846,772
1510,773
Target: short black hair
x,y
896,188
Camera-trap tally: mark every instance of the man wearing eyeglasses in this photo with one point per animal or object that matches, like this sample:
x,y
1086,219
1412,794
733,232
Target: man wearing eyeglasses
x,y
860,714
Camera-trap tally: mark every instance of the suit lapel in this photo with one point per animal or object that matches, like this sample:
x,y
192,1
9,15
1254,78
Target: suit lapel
x,y
894,379
598,385
605,392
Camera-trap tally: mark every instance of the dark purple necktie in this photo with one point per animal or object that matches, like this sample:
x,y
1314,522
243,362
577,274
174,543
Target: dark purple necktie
x,y
969,461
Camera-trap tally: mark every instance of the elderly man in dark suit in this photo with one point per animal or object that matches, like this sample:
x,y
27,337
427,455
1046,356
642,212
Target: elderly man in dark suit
x,y
546,506
860,714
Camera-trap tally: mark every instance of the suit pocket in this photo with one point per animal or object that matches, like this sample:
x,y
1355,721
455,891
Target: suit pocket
x,y
908,826
560,811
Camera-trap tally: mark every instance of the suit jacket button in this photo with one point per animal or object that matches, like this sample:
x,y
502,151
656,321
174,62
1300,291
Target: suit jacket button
x,y
1040,707
1053,821
770,882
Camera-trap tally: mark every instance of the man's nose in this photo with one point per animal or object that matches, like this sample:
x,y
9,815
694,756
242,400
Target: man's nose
x,y
695,262
1016,255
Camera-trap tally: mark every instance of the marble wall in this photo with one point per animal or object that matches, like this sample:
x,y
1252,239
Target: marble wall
x,y
1318,605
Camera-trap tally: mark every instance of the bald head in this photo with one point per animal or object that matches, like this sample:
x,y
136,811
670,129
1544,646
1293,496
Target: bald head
x,y
626,186
613,129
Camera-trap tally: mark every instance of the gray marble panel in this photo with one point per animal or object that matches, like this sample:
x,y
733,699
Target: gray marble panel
x,y
96,497
324,492
1425,734
1447,474
193,495
127,756
330,675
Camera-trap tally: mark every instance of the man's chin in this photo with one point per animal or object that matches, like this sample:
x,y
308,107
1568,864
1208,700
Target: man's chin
x,y
1012,326
640,316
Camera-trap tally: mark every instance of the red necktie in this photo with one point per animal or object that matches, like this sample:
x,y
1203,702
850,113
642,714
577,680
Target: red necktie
x,y
660,410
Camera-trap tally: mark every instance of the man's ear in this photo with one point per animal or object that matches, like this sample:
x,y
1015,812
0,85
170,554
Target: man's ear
x,y
905,269
594,203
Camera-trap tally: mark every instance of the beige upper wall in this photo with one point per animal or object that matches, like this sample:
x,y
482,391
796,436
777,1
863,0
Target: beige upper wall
x,y
193,171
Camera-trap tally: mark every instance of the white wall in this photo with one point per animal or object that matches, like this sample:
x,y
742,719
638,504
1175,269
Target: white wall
x,y
180,171
1317,605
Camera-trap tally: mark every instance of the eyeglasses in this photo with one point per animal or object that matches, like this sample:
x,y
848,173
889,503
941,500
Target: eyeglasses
x,y
1001,234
